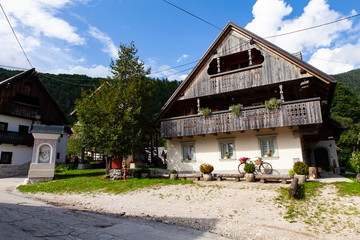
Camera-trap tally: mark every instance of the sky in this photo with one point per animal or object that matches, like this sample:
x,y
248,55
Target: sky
x,y
83,36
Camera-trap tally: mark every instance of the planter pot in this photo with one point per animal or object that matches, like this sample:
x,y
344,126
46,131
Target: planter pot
x,y
207,177
302,178
358,177
173,176
250,177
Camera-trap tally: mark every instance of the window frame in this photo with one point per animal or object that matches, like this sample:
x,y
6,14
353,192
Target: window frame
x,y
6,125
1,159
272,138
183,150
222,154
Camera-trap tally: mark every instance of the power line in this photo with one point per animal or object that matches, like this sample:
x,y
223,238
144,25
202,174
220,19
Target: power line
x,y
321,25
192,15
16,36
20,68
58,80
327,60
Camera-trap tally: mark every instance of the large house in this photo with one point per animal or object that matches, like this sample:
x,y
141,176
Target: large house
x,y
25,101
243,70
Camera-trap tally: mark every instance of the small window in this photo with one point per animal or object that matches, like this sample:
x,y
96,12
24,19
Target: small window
x,y
57,155
23,129
3,126
188,151
6,158
227,148
268,146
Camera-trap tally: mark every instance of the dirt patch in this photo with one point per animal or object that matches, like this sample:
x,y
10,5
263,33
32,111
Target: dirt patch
x,y
237,210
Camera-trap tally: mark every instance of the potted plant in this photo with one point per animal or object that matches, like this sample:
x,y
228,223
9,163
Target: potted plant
x,y
268,154
291,173
355,163
272,103
227,155
173,174
205,112
301,169
206,170
188,157
243,159
236,109
249,172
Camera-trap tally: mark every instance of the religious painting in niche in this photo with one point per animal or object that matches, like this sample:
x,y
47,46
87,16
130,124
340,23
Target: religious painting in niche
x,y
44,154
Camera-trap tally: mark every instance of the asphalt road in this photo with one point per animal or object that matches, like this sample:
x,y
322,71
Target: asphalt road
x,y
25,218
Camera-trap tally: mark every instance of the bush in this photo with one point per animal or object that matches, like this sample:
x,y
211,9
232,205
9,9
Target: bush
x,y
291,172
206,168
355,162
301,168
249,168
173,171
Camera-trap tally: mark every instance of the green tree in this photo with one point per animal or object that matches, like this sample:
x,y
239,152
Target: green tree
x,y
110,117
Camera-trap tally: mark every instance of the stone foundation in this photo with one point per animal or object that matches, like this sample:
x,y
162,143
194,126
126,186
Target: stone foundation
x,y
8,170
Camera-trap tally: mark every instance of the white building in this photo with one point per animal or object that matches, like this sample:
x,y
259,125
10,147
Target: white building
x,y
243,69
25,101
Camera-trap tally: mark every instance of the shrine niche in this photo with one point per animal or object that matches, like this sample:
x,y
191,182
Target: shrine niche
x,y
42,165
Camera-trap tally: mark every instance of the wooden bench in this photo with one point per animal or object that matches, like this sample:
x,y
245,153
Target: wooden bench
x,y
195,176
265,177
220,176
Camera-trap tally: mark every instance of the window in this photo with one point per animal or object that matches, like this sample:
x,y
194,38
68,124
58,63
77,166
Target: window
x,y
268,146
227,148
57,155
3,126
6,157
23,129
188,151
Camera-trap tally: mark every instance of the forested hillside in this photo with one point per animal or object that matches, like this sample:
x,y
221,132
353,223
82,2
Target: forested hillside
x,y
350,79
66,88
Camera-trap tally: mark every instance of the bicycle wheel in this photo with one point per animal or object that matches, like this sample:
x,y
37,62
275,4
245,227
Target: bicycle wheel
x,y
266,168
241,168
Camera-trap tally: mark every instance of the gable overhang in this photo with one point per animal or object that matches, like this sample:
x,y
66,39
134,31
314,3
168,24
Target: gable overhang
x,y
264,44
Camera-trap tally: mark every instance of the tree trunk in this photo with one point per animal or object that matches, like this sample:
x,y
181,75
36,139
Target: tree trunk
x,y
293,187
107,166
358,177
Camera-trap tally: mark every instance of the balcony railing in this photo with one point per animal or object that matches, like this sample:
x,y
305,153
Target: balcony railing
x,y
292,113
16,138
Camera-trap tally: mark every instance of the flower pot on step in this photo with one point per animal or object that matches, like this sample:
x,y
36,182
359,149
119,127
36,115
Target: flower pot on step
x,y
250,177
207,177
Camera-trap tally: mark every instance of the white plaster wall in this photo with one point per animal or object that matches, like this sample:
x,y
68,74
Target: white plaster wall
x,y
61,148
246,144
14,122
21,154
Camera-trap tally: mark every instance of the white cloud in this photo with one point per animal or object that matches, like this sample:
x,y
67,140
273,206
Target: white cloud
x,y
342,59
183,57
39,18
164,71
271,18
93,71
109,46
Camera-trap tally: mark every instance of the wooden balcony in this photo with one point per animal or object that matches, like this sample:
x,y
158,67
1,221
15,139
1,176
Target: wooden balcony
x,y
16,138
292,113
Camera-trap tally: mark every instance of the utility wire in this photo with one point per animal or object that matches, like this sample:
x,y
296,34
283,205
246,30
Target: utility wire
x,y
201,19
58,80
15,36
5,66
321,25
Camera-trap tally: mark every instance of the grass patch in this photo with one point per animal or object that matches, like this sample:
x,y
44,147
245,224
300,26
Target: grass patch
x,y
90,181
347,188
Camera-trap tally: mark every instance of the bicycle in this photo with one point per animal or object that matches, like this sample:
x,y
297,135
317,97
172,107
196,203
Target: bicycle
x,y
260,166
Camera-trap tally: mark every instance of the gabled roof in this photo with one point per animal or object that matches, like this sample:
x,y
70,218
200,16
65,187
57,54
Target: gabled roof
x,y
32,75
264,44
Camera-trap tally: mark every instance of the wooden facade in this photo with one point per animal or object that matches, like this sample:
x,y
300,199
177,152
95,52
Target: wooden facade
x,y
242,68
25,96
293,113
